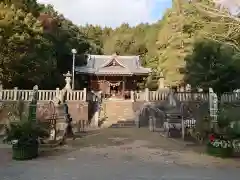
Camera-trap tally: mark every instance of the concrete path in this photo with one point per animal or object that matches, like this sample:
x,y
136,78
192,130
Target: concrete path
x,y
132,160
110,164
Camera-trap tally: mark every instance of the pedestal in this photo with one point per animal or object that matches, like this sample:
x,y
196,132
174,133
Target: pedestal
x,y
61,123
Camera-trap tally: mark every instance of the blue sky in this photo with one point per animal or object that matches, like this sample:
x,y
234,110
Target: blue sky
x,y
159,9
110,12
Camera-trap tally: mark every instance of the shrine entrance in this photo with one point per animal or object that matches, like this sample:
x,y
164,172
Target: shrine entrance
x,y
115,89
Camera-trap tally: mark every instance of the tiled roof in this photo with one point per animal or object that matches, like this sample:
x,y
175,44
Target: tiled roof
x,y
98,64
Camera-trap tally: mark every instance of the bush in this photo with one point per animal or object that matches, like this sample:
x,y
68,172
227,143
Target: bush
x,y
24,132
219,146
23,136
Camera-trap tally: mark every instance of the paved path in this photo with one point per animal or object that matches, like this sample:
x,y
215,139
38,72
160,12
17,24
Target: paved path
x,y
126,154
115,163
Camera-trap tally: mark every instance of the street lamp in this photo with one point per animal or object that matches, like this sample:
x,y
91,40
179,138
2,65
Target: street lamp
x,y
74,52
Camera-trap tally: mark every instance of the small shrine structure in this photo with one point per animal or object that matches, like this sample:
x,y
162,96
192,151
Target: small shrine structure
x,y
113,75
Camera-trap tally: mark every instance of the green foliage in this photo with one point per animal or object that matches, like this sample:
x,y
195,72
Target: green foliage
x,y
36,43
211,64
229,117
24,132
223,119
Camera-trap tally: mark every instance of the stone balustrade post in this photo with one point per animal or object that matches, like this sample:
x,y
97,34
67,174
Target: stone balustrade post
x,y
161,81
85,94
15,94
1,89
132,96
146,94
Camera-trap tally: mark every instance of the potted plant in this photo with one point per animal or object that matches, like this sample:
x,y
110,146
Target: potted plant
x,y
23,136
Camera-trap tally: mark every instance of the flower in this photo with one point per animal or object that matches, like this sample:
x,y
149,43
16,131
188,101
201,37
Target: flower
x,y
14,141
211,138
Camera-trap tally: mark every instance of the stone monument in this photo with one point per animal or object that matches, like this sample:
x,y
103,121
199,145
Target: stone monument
x,y
64,119
33,105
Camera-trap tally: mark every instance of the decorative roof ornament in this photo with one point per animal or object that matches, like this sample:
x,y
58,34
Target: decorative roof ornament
x,y
114,55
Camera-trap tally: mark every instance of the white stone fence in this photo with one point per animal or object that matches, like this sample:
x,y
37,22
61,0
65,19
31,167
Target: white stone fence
x,y
161,95
43,95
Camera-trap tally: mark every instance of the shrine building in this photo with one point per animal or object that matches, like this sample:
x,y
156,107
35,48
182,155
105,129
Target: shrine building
x,y
113,75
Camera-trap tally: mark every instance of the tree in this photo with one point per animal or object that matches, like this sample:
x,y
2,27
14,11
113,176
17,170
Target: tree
x,y
24,51
213,64
36,43
221,23
173,43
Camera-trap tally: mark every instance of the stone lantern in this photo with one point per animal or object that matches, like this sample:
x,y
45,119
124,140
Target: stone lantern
x,y
68,81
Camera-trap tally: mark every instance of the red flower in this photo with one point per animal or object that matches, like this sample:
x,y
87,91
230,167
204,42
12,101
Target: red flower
x,y
211,138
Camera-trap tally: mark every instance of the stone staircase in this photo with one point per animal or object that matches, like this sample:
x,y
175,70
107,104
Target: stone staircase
x,y
118,113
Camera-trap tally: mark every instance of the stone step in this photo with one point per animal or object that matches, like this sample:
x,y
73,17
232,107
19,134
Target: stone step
x,y
117,112
126,122
123,124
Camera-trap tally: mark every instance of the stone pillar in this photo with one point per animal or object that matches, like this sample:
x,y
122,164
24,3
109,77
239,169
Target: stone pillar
x,y
146,94
96,118
181,89
188,87
200,90
161,81
84,94
1,89
15,94
33,105
189,95
132,96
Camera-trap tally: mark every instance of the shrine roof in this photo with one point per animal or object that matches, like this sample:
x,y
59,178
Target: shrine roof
x,y
113,64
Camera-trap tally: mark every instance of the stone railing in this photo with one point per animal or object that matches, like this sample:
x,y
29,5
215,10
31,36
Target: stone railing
x,y
161,95
43,95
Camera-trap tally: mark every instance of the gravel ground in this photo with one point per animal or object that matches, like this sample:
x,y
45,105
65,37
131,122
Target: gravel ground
x,y
132,160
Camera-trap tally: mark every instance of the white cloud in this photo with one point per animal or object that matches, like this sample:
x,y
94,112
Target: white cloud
x,y
105,12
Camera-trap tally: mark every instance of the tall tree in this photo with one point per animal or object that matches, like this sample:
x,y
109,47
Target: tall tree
x,y
24,51
215,65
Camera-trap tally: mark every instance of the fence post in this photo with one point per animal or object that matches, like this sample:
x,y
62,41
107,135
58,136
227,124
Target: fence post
x,y
85,94
15,93
1,91
146,94
132,96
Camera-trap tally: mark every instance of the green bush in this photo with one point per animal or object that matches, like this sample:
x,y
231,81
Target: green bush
x,y
219,151
23,136
24,132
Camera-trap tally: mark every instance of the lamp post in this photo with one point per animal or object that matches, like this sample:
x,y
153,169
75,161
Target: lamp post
x,y
74,52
